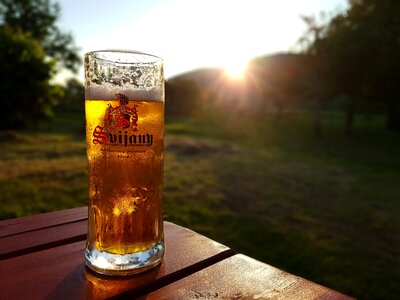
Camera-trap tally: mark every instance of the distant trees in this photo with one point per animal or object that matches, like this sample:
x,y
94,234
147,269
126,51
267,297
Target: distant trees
x,y
352,57
73,96
183,97
277,82
280,80
31,49
358,54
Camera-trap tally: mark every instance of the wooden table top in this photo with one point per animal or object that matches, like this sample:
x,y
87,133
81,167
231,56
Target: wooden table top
x,y
41,257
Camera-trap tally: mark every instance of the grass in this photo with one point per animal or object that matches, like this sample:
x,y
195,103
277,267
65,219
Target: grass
x,y
42,170
326,209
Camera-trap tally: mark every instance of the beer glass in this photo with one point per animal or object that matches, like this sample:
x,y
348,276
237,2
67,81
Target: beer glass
x,y
124,105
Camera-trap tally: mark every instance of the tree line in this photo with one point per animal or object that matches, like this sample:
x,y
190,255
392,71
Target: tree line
x,y
357,54
349,61
353,56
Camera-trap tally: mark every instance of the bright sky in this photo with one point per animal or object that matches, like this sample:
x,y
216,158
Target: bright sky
x,y
190,34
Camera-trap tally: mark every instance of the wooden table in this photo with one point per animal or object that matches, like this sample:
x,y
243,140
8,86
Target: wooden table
x,y
41,257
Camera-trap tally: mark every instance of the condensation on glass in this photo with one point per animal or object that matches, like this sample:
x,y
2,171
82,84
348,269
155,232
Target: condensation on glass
x,y
124,107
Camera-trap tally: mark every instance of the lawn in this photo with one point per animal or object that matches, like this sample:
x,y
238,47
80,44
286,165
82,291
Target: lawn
x,y
326,209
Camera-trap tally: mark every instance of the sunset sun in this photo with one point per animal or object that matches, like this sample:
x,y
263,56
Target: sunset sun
x,y
236,69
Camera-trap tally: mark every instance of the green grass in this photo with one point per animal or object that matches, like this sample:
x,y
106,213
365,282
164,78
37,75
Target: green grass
x,y
326,209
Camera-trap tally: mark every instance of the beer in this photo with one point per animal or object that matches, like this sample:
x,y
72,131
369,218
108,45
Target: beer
x,y
125,199
125,141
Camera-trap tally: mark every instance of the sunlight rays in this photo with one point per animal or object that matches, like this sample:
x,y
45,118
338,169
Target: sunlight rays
x,y
236,70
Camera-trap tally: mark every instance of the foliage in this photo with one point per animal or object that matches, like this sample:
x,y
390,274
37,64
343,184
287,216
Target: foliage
x,y
31,49
358,54
182,97
38,17
73,96
25,94
277,82
281,80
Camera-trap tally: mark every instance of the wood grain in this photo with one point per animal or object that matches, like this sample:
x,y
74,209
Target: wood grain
x,y
30,223
40,239
241,277
42,258
59,272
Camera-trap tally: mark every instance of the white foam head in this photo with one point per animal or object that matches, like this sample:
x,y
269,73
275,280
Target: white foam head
x,y
137,75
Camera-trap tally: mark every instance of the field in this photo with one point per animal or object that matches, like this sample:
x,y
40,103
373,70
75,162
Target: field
x,y
326,209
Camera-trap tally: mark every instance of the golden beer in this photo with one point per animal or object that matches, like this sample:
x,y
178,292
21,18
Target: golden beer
x,y
125,142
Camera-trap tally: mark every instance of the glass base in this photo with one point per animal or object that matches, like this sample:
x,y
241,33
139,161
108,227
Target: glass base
x,y
127,264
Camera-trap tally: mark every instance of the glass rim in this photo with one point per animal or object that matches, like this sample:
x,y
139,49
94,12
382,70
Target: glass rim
x,y
134,55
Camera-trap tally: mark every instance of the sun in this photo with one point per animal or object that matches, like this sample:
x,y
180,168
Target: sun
x,y
236,69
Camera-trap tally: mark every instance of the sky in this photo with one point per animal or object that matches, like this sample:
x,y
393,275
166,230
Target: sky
x,y
191,34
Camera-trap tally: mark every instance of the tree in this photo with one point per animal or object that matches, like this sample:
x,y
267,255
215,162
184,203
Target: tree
x,y
320,86
31,49
25,94
382,22
278,80
38,18
361,49
72,98
347,65
183,97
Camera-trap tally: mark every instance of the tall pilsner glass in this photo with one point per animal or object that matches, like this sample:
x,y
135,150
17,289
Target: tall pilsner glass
x,y
124,103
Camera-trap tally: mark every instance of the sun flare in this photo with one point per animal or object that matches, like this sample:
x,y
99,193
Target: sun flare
x,y
236,70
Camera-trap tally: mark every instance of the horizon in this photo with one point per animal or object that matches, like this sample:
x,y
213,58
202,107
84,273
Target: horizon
x,y
196,37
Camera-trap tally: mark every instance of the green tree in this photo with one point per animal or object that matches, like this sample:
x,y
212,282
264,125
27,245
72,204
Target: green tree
x,y
25,94
39,17
32,49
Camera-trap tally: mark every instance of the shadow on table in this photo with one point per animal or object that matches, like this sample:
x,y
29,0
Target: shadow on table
x,y
83,283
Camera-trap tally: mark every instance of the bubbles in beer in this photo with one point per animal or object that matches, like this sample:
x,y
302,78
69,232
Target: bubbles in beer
x,y
129,203
126,177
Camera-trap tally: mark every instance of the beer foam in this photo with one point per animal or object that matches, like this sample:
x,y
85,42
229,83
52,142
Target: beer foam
x,y
120,56
136,75
107,91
